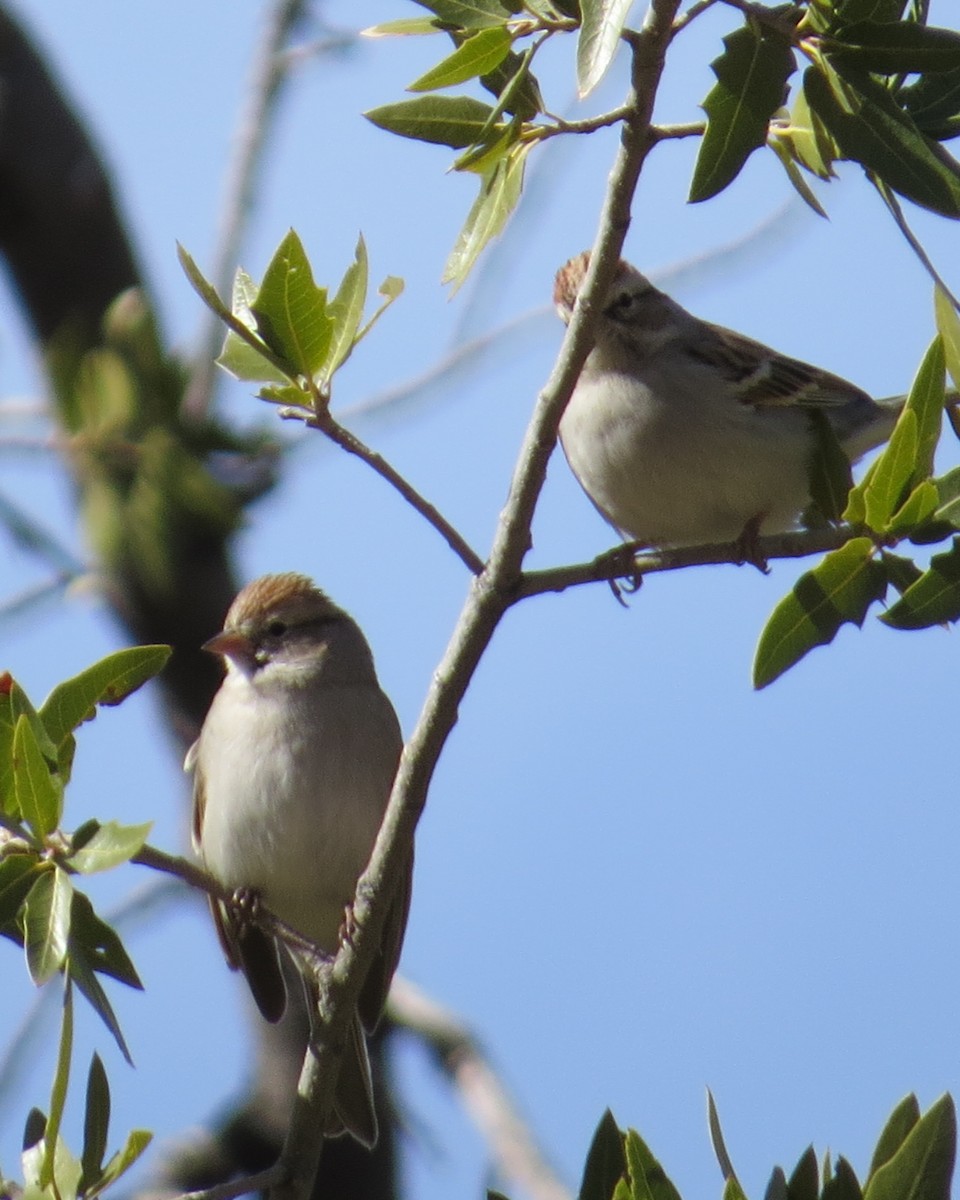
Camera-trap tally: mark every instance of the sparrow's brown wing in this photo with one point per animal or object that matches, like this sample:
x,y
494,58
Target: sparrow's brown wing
x,y
765,379
246,947
377,984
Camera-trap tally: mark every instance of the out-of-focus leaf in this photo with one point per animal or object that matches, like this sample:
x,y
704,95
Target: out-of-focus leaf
x,y
39,794
606,1161
444,120
601,23
648,1180
110,846
499,193
58,1093
843,1185
872,129
107,682
482,52
837,591
923,1165
98,945
751,83
892,47
898,1126
291,311
934,599
468,14
804,1183
96,1124
47,924
870,10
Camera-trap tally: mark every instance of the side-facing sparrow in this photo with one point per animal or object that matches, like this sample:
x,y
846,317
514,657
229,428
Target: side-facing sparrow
x,y
682,432
293,769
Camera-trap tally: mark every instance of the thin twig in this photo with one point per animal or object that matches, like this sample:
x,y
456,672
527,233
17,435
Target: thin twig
x,y
269,73
619,564
326,423
587,125
247,1185
517,1157
690,129
691,14
490,596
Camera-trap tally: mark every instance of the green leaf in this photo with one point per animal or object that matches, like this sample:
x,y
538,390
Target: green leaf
x,y
346,311
110,846
838,590
752,74
934,599
606,1161
926,399
499,193
843,1185
18,873
898,1126
601,24
390,289
716,1140
812,146
922,1167
901,572
39,794
123,1160
98,945
468,14
96,1124
732,1189
648,1180
291,311
482,52
58,1093
892,47
870,128
933,101
90,986
829,468
870,10
918,507
948,326
804,1183
443,120
46,924
402,27
884,484
948,495
776,1185
515,86
782,150
107,682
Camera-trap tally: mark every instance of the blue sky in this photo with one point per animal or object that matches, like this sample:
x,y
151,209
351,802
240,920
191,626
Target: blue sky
x,y
636,878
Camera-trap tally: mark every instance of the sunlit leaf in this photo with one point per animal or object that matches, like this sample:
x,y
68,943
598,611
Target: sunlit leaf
x,y
480,53
291,311
601,24
346,310
922,1167
837,591
39,793
402,27
444,120
468,14
107,682
110,846
499,193
948,326
903,1118
58,1093
124,1159
752,74
47,924
648,1180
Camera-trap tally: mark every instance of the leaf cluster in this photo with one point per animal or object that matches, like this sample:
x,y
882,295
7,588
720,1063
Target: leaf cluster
x,y
914,1157
897,500
43,911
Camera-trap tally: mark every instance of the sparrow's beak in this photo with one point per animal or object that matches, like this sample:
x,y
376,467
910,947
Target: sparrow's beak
x,y
231,645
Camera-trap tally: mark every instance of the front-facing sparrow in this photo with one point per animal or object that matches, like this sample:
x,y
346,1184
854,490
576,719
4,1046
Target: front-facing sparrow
x,y
682,432
293,770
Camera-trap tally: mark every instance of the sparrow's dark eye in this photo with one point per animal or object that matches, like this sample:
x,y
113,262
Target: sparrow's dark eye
x,y
623,306
277,628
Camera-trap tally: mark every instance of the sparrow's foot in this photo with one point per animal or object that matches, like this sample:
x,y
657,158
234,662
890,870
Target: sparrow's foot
x,y
622,560
748,545
348,926
246,905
